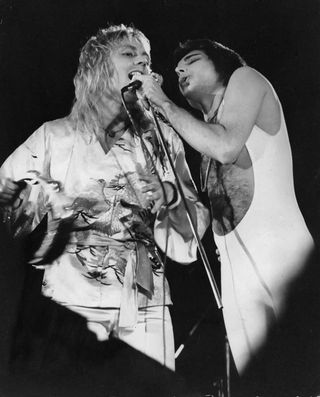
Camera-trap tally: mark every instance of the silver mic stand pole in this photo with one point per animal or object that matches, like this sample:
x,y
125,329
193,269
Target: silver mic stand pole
x,y
193,228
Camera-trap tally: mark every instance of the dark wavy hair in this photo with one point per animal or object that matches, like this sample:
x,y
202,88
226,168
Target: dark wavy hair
x,y
225,60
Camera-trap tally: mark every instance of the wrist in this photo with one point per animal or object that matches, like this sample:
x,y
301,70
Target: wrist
x,y
166,108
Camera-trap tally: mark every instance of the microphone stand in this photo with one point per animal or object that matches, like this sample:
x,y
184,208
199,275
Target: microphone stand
x,y
202,252
135,85
204,260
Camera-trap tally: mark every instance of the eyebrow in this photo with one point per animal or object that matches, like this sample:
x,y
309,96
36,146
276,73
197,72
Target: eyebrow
x,y
191,55
134,48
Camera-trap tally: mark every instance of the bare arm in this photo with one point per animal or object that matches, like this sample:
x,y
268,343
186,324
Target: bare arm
x,y
225,140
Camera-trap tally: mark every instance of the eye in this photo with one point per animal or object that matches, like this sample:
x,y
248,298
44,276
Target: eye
x,y
128,54
192,60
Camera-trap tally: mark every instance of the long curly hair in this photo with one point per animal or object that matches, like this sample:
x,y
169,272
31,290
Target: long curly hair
x,y
93,80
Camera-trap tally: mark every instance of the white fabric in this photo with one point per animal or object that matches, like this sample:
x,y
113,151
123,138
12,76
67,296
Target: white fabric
x,y
104,191
152,335
267,249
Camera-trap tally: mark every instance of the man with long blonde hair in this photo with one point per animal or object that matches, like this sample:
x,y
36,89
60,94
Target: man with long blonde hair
x,y
109,181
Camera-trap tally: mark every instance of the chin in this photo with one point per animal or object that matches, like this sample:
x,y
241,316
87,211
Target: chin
x,y
185,91
192,99
188,93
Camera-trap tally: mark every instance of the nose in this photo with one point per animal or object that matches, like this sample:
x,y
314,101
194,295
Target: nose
x,y
180,69
141,60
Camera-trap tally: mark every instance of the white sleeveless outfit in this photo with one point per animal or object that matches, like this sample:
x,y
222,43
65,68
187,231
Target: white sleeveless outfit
x,y
266,250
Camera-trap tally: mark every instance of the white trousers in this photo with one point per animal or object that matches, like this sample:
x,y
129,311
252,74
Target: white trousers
x,y
152,335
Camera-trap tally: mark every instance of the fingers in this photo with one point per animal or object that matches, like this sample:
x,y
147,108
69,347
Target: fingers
x,y
157,77
156,207
153,192
147,178
149,80
151,89
151,189
8,186
157,194
8,190
144,100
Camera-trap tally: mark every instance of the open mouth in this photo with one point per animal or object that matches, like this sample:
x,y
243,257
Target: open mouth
x,y
184,81
135,73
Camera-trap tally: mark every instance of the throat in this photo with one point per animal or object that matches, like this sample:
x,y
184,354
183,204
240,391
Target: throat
x,y
211,111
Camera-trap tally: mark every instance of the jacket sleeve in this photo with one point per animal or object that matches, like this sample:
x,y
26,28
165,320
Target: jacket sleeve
x,y
172,230
29,207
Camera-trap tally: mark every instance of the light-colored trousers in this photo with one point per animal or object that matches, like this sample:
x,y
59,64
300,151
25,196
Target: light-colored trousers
x,y
152,335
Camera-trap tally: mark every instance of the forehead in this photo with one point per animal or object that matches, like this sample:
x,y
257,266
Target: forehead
x,y
133,43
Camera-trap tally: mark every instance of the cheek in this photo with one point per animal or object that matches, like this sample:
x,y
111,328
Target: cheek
x,y
121,76
205,77
211,73
114,84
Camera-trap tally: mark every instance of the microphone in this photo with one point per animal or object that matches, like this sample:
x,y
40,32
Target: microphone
x,y
134,85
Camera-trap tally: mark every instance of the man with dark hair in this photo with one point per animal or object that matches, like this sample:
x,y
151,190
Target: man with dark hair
x,y
110,187
226,61
246,169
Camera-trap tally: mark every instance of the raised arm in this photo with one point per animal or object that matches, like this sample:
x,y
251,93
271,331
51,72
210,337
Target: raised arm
x,y
223,141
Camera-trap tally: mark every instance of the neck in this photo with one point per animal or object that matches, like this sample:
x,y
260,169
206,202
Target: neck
x,y
211,105
111,131
209,112
113,119
208,103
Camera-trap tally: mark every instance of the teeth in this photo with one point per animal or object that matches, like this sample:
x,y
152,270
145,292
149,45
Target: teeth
x,y
136,73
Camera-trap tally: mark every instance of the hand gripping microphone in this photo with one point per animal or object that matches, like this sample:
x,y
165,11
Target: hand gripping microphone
x,y
134,85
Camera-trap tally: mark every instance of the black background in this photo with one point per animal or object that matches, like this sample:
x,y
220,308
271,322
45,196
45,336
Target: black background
x,y
40,42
